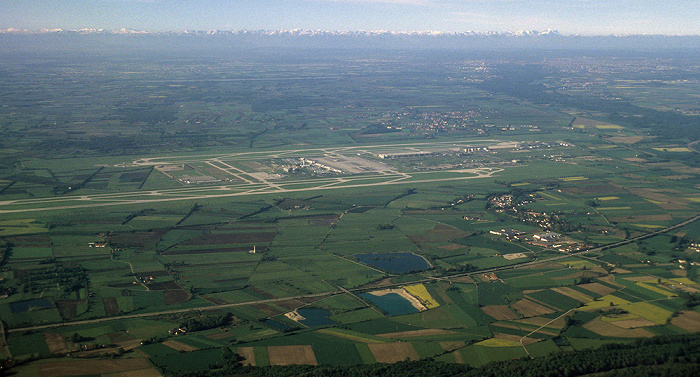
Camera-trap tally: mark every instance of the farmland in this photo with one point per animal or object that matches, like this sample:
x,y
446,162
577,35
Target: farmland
x,y
255,215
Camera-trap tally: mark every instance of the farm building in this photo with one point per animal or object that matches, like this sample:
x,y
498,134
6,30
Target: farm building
x,y
547,237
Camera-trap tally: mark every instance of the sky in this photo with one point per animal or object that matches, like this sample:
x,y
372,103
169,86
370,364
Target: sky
x,y
585,17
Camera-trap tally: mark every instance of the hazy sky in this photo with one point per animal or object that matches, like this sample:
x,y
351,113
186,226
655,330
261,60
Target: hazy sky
x,y
588,17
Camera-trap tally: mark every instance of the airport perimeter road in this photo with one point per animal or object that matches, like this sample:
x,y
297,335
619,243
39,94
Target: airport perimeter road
x,y
342,290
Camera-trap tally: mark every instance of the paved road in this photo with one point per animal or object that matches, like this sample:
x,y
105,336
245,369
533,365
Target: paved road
x,y
356,290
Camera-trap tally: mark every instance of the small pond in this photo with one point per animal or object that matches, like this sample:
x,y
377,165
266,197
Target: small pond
x,y
395,262
391,303
316,317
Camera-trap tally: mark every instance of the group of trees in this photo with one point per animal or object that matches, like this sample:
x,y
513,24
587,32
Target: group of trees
x,y
206,322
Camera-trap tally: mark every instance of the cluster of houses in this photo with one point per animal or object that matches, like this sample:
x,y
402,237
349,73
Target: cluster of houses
x,y
511,234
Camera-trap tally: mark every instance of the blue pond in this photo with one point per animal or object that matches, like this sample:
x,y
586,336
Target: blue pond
x,y
391,303
316,317
25,306
395,262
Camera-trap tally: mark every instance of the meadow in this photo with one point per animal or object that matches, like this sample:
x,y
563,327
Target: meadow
x,y
100,225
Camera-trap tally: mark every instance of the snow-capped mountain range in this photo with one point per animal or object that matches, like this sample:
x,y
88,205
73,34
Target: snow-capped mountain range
x,y
382,39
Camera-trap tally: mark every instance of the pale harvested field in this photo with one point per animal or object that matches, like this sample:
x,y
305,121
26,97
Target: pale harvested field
x,y
530,308
289,355
174,344
458,357
56,343
415,333
248,355
607,329
633,323
500,312
541,321
510,325
450,346
688,321
598,288
393,352
639,278
81,367
515,338
623,271
576,295
574,275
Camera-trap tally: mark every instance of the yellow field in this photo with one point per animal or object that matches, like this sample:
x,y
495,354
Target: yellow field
x,y
520,184
648,226
608,127
658,290
672,149
604,198
497,343
421,293
694,199
604,302
570,179
683,281
649,311
612,208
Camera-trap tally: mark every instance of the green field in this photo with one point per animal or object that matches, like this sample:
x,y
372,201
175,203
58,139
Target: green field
x,y
165,207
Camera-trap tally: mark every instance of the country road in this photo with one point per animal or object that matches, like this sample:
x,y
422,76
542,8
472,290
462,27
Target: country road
x,y
342,290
